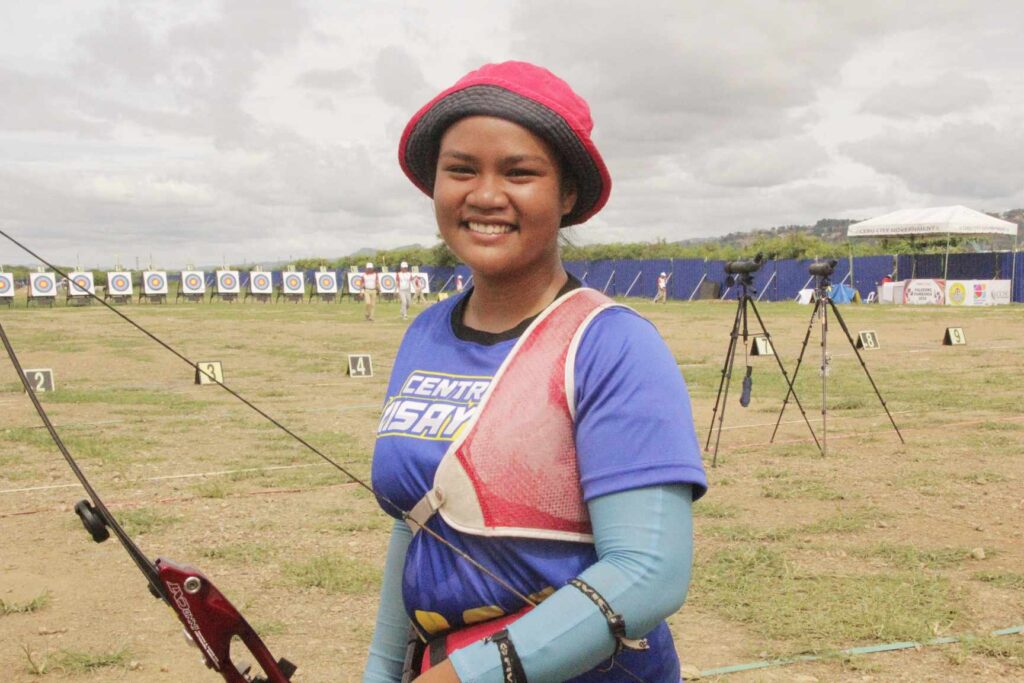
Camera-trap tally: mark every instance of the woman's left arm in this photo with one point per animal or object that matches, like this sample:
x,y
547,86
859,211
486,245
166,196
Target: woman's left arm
x,y
644,543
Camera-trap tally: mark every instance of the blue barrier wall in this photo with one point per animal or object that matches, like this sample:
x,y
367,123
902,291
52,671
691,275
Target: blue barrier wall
x,y
777,280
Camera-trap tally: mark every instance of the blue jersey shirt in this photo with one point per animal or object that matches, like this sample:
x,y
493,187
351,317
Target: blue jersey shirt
x,y
633,429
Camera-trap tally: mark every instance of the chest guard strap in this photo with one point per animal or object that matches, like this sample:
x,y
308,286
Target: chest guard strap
x,y
512,469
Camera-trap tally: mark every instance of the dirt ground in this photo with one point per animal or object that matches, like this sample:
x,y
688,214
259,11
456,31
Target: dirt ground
x,y
797,553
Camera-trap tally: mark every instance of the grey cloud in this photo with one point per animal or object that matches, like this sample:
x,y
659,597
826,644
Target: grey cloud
x,y
685,71
951,93
762,163
957,159
333,80
398,79
191,79
45,103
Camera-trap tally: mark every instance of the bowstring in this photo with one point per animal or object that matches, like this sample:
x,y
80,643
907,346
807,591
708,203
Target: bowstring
x,y
384,499
390,503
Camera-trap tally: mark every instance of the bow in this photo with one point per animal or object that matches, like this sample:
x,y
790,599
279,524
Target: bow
x,y
210,620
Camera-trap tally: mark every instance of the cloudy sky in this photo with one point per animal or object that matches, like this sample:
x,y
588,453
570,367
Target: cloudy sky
x,y
242,131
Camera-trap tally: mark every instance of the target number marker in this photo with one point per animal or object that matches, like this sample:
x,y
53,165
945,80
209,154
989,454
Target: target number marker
x,y
41,379
867,339
761,346
209,372
954,337
360,365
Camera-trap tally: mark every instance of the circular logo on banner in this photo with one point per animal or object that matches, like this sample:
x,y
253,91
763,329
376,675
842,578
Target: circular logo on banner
x,y
119,283
326,281
193,281
387,282
44,284
957,293
294,282
4,284
227,281
260,281
155,282
82,283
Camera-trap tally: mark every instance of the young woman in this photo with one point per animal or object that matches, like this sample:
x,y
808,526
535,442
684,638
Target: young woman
x,y
531,425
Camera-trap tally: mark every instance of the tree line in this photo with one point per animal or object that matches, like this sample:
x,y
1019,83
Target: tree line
x,y
825,239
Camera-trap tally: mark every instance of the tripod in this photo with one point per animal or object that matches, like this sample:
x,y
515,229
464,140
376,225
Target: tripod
x,y
821,305
745,281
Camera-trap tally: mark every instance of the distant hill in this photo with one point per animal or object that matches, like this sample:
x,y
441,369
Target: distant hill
x,y
832,230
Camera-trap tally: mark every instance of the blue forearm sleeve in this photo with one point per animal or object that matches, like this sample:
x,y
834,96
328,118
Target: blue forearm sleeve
x,y
644,542
387,650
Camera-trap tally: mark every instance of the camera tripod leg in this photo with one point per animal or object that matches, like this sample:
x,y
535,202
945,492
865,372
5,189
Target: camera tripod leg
x,y
853,345
824,372
796,371
723,384
789,382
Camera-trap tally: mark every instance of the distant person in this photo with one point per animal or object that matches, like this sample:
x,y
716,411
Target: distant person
x,y
370,290
887,279
417,290
404,288
662,294
459,284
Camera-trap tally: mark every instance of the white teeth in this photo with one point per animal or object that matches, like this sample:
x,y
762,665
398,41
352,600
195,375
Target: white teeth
x,y
489,229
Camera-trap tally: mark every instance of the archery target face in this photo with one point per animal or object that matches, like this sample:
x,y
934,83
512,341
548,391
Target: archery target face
x,y
355,283
81,284
42,284
154,282
423,280
261,283
119,283
6,284
193,282
326,283
227,282
293,283
388,283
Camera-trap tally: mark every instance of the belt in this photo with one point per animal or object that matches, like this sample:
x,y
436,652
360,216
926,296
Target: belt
x,y
421,656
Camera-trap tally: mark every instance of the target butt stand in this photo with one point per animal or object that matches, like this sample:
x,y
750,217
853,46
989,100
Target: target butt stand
x,y
42,289
6,288
822,303
293,286
260,286
741,274
325,287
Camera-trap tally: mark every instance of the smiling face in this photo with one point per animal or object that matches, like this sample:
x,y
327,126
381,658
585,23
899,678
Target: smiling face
x,y
499,198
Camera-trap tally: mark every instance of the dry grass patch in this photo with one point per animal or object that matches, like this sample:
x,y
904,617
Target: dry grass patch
x,y
814,612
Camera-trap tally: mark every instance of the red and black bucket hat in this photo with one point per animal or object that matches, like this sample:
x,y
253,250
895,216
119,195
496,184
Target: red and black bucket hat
x,y
525,94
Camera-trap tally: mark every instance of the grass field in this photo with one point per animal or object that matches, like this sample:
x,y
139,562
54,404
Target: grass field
x,y
796,553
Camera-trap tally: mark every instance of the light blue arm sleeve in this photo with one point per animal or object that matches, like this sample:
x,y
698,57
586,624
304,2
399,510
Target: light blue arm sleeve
x,y
387,650
644,542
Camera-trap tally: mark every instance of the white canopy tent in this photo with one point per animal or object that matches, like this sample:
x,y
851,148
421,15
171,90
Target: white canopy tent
x,y
940,220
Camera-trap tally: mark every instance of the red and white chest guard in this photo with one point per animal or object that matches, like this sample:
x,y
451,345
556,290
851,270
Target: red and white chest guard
x,y
512,469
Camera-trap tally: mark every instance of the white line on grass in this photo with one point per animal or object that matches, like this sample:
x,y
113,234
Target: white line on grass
x,y
165,477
